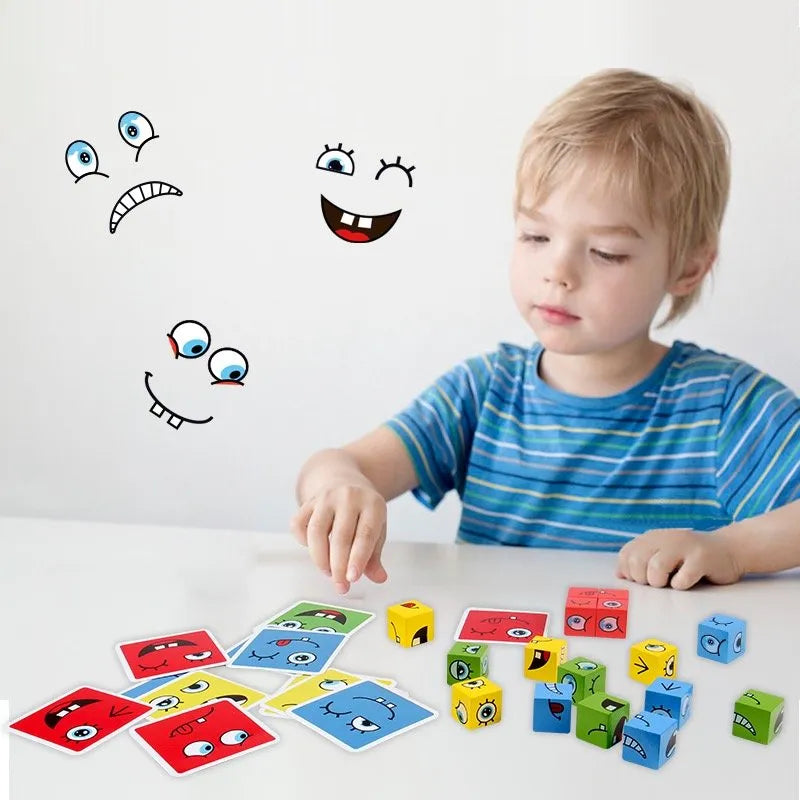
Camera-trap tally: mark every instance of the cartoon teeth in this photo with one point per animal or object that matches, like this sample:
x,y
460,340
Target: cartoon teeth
x,y
356,227
738,719
139,194
629,741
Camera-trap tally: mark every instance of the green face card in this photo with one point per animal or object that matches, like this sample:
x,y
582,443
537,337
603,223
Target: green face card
x,y
320,617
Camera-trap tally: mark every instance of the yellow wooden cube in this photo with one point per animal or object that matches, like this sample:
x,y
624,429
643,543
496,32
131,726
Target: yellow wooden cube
x,y
410,623
543,656
477,702
651,659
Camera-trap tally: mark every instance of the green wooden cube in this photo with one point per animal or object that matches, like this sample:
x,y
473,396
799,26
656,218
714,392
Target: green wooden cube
x,y
583,676
601,718
467,660
758,716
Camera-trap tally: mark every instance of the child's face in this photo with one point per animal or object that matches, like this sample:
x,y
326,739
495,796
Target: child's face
x,y
567,255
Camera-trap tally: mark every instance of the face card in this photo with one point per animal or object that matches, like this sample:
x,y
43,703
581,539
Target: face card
x,y
310,616
196,689
80,720
362,715
298,692
500,625
201,737
170,654
289,650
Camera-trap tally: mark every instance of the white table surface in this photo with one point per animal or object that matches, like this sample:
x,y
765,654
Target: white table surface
x,y
72,590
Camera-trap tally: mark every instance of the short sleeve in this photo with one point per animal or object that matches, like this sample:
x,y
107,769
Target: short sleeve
x,y
758,444
437,428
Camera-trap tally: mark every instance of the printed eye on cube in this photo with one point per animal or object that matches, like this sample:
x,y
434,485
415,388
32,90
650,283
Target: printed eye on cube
x,y
652,658
476,703
721,638
592,611
467,660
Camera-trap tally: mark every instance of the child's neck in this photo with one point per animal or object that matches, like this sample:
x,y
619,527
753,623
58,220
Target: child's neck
x,y
601,374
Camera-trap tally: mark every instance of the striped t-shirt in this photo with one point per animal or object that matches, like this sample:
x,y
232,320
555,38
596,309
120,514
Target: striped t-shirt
x,y
702,441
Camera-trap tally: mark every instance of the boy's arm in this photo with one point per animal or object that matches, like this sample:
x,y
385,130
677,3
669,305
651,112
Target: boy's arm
x,y
767,542
379,460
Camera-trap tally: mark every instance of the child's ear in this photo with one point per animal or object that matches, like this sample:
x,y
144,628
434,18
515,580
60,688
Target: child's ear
x,y
695,268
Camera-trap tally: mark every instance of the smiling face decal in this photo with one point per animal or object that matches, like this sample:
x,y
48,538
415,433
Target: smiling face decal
x,y
357,226
82,161
191,339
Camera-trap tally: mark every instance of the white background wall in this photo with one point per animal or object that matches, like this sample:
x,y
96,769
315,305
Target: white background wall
x,y
339,336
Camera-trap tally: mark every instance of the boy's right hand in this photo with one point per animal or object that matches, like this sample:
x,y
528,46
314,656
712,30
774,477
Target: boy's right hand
x,y
344,528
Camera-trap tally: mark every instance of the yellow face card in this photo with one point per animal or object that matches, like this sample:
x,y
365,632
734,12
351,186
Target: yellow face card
x,y
310,688
194,689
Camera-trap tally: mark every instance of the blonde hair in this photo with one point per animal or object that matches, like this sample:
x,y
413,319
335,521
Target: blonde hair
x,y
664,149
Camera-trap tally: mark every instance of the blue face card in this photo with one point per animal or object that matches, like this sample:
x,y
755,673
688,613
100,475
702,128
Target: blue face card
x,y
362,715
289,650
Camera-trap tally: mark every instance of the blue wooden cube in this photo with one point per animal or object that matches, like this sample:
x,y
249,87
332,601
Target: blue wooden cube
x,y
673,699
649,739
721,638
552,707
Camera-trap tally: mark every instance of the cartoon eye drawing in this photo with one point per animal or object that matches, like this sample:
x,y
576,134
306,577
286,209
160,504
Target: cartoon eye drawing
x,y
611,604
198,656
301,658
234,737
711,644
569,680
81,733
330,685
292,624
669,667
136,130
737,643
200,748
519,633
586,665
459,670
227,365
472,649
608,624
396,165
486,712
189,339
165,702
197,686
336,159
324,630
364,725
82,160
461,713
577,622
654,648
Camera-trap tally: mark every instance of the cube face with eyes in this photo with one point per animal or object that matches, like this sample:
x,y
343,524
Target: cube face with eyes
x,y
476,703
721,638
671,699
467,660
591,611
649,739
583,676
600,719
758,716
651,659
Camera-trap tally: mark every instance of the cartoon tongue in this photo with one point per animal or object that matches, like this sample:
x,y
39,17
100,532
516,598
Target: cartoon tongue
x,y
284,642
352,236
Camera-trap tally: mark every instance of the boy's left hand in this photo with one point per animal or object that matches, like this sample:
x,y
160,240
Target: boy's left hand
x,y
654,556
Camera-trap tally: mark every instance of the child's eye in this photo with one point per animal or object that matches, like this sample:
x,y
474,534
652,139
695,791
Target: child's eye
x,y
610,257
532,237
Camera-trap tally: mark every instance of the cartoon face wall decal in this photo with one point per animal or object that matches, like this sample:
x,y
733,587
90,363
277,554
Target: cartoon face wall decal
x,y
191,339
82,160
352,226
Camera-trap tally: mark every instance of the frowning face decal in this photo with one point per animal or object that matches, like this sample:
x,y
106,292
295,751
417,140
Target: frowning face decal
x,y
360,225
83,161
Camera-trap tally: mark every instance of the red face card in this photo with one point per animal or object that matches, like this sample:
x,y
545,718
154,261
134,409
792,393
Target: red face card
x,y
80,720
202,736
165,655
500,625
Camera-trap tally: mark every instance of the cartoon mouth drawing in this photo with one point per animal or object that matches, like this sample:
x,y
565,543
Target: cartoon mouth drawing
x,y
135,196
52,718
82,160
356,227
629,741
325,613
738,719
348,225
191,339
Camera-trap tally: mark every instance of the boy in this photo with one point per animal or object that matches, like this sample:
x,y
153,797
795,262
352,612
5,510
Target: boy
x,y
684,460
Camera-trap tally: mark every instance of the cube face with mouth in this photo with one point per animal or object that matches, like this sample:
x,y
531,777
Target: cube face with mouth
x,y
649,739
600,719
758,716
542,658
552,708
410,623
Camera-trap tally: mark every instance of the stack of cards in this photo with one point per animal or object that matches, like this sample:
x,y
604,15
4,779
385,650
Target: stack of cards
x,y
188,717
